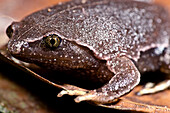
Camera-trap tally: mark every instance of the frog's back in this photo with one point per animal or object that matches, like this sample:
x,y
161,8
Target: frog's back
x,y
108,27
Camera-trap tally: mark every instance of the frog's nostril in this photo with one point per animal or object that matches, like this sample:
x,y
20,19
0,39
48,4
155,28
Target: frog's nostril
x,y
9,31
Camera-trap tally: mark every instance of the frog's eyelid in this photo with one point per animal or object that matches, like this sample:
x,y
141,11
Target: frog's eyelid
x,y
55,33
47,34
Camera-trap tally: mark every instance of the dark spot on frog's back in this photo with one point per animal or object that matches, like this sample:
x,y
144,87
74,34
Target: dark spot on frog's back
x,y
13,29
9,31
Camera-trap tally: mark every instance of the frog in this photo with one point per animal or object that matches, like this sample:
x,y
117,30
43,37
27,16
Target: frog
x,y
112,41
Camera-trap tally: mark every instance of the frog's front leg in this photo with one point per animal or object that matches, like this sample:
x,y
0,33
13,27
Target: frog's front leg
x,y
125,79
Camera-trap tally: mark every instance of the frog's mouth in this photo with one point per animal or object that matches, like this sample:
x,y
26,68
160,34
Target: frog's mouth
x,y
69,55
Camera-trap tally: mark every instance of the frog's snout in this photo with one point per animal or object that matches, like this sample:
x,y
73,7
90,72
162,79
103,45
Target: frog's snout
x,y
15,46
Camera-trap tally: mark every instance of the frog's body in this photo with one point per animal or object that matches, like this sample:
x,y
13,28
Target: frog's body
x,y
111,39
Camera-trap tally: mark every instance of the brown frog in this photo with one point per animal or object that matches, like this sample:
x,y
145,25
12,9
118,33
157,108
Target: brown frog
x,y
108,40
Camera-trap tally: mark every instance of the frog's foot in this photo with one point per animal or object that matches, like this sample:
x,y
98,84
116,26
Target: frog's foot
x,y
72,90
96,97
152,88
125,79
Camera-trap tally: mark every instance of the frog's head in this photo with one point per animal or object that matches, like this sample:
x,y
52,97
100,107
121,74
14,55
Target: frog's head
x,y
48,49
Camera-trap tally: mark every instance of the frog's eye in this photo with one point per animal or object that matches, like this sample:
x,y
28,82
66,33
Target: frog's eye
x,y
52,41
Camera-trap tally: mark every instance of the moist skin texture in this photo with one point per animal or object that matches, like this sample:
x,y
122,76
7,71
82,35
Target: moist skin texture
x,y
111,36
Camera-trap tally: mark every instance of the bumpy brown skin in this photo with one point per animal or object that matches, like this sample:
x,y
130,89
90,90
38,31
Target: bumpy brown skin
x,y
110,36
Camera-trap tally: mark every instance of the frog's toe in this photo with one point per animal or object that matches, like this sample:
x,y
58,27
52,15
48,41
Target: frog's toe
x,y
87,97
97,98
150,88
72,90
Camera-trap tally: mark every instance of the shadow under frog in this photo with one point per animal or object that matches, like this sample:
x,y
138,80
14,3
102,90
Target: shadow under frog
x,y
109,40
